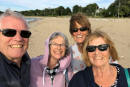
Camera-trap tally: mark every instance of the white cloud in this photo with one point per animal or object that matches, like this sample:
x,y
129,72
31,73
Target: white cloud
x,y
41,4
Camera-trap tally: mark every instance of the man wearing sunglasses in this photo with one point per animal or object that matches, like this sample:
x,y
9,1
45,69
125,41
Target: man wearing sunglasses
x,y
14,60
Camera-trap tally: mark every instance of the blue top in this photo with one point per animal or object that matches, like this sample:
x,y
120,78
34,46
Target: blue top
x,y
85,78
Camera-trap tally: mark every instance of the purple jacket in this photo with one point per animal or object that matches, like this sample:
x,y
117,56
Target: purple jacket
x,y
39,76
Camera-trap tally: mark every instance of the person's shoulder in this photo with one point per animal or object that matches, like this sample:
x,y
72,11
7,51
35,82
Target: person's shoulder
x,y
117,65
36,59
80,73
0,60
74,46
129,70
76,79
80,79
83,73
121,68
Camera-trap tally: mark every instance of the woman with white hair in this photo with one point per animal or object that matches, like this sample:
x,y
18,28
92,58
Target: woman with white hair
x,y
53,69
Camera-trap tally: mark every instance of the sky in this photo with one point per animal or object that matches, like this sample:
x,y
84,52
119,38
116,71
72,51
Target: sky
x,y
22,5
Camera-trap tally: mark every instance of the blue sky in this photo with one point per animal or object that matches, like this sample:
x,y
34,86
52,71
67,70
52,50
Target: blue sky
x,y
19,5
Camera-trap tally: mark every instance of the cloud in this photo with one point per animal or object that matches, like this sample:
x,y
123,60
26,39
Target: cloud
x,y
41,4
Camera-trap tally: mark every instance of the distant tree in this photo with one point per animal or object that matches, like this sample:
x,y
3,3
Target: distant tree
x,y
67,11
91,9
37,12
52,12
1,12
112,10
85,10
60,11
103,12
77,9
28,13
120,8
124,11
47,12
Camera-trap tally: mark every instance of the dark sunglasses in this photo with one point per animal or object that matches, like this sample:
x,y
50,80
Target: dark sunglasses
x,y
81,29
102,47
12,33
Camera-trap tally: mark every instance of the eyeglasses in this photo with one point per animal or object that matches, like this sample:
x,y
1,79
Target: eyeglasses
x,y
12,33
102,47
81,29
56,45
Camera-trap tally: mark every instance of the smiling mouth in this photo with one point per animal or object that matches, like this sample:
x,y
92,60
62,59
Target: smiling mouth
x,y
99,58
16,46
79,36
58,52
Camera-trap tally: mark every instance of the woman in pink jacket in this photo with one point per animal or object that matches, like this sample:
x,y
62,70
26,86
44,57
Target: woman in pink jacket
x,y
53,68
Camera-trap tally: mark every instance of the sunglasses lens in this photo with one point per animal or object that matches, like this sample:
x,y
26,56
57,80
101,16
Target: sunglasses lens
x,y
12,33
103,47
25,34
83,29
91,48
75,30
9,32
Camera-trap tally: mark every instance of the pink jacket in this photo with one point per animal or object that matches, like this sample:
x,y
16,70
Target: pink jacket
x,y
39,76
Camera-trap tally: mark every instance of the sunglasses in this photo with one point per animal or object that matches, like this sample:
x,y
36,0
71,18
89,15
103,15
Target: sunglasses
x,y
81,29
12,33
102,47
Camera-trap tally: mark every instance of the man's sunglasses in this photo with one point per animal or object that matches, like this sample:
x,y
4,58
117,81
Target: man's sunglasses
x,y
12,33
102,47
81,29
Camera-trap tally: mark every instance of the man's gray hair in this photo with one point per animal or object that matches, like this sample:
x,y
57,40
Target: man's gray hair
x,y
55,34
9,12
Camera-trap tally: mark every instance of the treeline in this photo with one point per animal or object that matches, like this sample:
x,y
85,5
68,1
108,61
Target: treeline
x,y
119,8
90,10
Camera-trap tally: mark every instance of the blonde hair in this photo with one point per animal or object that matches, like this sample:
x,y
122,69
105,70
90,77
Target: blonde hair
x,y
107,39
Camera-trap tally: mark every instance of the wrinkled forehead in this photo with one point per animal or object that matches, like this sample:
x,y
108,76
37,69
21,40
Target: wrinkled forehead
x,y
13,23
57,39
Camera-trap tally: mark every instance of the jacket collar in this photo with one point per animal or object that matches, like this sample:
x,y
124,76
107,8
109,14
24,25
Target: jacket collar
x,y
25,59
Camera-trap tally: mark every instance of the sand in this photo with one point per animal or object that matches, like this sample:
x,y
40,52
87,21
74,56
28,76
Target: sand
x,y
117,29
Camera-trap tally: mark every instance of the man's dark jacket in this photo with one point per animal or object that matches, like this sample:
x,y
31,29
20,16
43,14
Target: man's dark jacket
x,y
85,78
13,76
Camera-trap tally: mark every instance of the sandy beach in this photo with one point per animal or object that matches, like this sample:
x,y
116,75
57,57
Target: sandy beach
x,y
117,29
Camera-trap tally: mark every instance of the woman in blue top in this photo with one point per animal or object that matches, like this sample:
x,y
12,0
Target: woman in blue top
x,y
97,51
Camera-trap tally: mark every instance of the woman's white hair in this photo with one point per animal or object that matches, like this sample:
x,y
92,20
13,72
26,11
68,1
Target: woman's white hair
x,y
55,34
